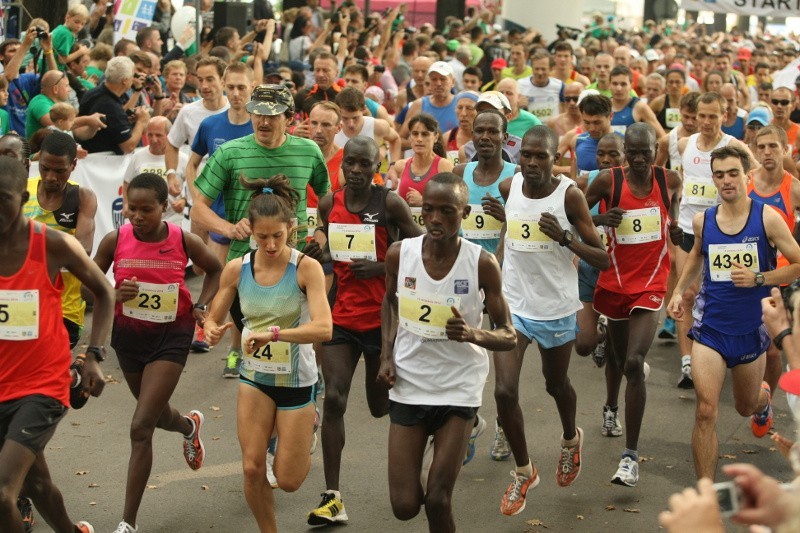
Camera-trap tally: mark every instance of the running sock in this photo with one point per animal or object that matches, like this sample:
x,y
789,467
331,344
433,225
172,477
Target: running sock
x,y
571,442
194,428
686,360
335,493
633,454
526,470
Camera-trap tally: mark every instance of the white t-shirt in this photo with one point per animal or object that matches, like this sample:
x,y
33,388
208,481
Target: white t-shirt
x,y
543,101
143,161
188,122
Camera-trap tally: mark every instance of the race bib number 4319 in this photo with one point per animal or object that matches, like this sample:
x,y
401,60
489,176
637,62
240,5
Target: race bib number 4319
x,y
721,259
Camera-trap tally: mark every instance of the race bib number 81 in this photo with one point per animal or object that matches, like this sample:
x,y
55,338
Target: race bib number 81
x,y
19,315
721,258
426,315
700,193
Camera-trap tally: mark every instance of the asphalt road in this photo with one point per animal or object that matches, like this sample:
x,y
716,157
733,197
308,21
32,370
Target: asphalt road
x,y
88,457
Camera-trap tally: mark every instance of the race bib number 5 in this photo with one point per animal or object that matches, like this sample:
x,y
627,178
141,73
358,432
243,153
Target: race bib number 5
x,y
426,315
721,258
639,226
524,235
19,315
352,241
272,358
154,303
480,225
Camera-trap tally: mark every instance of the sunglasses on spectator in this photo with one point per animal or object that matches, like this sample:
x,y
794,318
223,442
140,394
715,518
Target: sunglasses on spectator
x,y
571,99
781,102
754,127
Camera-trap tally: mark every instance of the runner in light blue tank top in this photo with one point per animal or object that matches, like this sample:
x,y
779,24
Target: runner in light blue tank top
x,y
477,192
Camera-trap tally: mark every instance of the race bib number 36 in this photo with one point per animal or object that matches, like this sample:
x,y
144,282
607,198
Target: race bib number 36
x,y
352,241
272,358
19,315
640,225
524,235
416,215
480,225
154,303
700,193
721,258
426,315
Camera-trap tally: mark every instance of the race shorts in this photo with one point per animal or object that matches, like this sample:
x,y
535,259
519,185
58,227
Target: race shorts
x,y
369,341
547,333
30,421
285,398
734,349
587,281
618,306
432,417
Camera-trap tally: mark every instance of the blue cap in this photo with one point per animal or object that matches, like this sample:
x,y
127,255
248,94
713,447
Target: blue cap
x,y
760,115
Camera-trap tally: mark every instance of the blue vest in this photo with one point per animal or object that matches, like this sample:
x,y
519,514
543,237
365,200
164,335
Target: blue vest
x,y
445,116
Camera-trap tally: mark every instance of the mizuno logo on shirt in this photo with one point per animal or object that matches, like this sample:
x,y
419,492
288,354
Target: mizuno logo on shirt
x,y
371,217
66,217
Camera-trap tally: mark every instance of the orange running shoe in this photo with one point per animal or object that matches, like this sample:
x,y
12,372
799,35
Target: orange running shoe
x,y
513,501
760,424
569,464
193,449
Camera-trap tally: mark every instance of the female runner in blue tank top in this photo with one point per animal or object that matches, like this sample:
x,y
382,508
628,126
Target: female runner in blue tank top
x,y
285,308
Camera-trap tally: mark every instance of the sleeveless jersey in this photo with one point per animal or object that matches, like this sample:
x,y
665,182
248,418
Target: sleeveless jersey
x,y
444,115
586,152
736,130
699,191
358,301
432,370
543,101
285,305
539,279
65,219
637,248
620,120
669,117
781,200
161,314
751,248
476,192
33,340
409,181
367,130
672,148
312,200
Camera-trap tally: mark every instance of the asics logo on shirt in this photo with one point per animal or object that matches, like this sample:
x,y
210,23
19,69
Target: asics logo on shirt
x,y
750,239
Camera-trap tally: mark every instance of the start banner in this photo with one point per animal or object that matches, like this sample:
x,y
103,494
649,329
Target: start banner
x,y
132,15
760,8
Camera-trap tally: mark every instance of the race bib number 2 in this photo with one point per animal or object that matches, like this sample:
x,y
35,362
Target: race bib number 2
x,y
19,315
154,303
721,259
426,315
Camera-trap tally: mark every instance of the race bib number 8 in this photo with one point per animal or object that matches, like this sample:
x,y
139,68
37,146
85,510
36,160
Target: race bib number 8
x,y
19,315
480,225
426,315
524,235
639,226
272,358
700,193
721,258
352,241
154,303
416,215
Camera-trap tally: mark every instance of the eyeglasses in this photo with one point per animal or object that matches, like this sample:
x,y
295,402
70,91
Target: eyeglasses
x,y
63,75
571,99
781,102
754,127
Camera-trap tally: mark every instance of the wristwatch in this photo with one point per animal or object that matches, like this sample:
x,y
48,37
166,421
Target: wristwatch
x,y
99,353
202,307
759,279
566,240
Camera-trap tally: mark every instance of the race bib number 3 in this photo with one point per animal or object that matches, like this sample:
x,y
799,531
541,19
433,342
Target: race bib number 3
x,y
639,226
480,225
416,215
272,358
721,258
352,241
426,315
700,193
154,303
524,235
19,315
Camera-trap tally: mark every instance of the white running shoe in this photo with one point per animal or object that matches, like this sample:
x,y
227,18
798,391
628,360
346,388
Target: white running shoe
x,y
611,425
627,473
125,527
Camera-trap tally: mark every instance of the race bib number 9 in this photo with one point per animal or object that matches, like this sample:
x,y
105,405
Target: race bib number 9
x,y
19,315
480,225
426,315
524,235
721,258
673,117
416,215
700,193
352,241
272,358
639,226
154,303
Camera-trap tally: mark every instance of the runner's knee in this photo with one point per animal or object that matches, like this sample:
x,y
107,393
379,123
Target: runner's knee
x,y
437,503
141,431
706,412
634,368
405,507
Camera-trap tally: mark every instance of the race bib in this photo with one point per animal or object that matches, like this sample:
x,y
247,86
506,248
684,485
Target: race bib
x,y
311,221
480,225
619,129
722,256
426,315
523,234
452,155
19,315
639,226
416,215
352,241
154,303
543,111
700,192
272,358
673,117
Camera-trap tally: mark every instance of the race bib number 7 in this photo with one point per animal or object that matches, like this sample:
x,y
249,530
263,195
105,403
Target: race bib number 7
x,y
352,241
426,315
19,315
721,259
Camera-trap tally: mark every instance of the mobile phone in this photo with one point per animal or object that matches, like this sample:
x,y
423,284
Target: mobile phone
x,y
729,498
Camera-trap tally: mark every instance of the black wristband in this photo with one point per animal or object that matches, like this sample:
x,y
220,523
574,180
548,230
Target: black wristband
x,y
98,352
778,340
159,97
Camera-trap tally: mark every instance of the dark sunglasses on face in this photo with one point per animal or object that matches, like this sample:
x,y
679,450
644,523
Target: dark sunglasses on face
x,y
781,102
570,98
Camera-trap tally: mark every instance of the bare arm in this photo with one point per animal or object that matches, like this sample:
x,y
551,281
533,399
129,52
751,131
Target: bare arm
x,y
202,256
385,131
662,150
191,167
142,117
399,216
389,317
779,234
643,113
691,269
84,230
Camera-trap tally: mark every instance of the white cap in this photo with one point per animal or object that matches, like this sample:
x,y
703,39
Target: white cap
x,y
587,92
651,55
440,67
497,100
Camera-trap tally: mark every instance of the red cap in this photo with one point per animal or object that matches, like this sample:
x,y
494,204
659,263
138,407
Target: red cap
x,y
744,53
790,382
499,63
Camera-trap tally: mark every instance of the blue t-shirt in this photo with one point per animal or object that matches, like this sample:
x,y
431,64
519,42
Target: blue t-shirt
x,y
372,106
20,92
477,192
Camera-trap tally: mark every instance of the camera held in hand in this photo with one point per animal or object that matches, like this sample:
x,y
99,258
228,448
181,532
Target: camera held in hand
x,y
41,33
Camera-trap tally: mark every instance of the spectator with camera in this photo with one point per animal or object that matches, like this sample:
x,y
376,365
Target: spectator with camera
x,y
146,89
22,88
